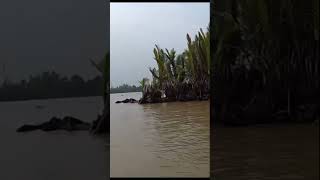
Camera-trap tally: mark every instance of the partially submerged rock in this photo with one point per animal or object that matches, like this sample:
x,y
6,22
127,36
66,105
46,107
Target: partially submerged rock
x,y
68,123
27,127
131,100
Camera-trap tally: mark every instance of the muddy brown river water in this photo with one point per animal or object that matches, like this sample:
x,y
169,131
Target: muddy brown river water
x,y
152,140
266,152
159,140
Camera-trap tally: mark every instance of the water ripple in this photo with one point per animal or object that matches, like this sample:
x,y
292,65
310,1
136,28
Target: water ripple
x,y
174,137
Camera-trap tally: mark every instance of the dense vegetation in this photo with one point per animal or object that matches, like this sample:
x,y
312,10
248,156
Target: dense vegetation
x,y
265,61
50,85
125,88
180,77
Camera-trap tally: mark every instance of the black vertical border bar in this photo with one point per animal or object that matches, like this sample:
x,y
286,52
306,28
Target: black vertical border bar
x,y
211,70
211,87
107,6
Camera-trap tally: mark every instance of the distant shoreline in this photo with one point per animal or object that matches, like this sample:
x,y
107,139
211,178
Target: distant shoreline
x,y
124,92
65,97
31,99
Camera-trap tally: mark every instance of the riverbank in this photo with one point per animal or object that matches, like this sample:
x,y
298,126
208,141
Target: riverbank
x,y
160,100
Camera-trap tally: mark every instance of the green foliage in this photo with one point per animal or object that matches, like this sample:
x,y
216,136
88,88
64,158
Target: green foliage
x,y
174,72
272,44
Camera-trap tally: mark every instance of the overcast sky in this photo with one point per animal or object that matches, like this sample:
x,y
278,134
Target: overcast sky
x,y
60,35
135,28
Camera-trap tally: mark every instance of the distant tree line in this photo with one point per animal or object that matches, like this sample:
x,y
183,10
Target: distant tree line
x,y
53,85
50,85
125,88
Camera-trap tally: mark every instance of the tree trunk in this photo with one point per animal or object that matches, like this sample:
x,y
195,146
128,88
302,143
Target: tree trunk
x,y
103,123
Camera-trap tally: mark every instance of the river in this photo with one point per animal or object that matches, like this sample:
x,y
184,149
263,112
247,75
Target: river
x,y
266,152
53,155
151,140
159,140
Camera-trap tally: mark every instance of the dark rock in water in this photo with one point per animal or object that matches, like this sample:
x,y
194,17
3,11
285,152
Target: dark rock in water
x,y
51,125
67,123
126,101
25,128
131,100
75,124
